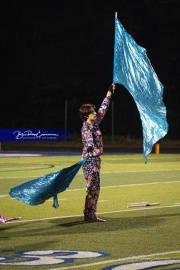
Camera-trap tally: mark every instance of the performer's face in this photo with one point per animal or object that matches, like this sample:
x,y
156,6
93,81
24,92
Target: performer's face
x,y
92,116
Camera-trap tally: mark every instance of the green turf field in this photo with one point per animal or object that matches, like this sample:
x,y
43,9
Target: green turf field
x,y
131,238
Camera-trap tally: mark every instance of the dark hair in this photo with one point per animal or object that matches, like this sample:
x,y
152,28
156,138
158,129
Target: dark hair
x,y
85,110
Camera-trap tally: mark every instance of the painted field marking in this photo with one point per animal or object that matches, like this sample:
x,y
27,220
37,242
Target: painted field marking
x,y
117,260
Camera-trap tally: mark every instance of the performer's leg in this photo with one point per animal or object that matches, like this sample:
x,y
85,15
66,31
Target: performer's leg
x,y
91,199
92,174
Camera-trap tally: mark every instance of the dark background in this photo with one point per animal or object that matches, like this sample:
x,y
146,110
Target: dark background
x,y
52,51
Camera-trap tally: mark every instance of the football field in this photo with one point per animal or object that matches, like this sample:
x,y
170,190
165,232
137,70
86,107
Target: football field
x,y
140,203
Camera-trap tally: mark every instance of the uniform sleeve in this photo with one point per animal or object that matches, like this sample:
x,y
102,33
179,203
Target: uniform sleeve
x,y
103,109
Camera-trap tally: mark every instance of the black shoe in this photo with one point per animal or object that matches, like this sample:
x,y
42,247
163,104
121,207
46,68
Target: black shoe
x,y
95,219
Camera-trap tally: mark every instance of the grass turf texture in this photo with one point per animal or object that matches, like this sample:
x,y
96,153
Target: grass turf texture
x,y
127,232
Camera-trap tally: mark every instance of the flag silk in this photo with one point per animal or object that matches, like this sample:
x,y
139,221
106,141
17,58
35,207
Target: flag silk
x,y
39,190
133,70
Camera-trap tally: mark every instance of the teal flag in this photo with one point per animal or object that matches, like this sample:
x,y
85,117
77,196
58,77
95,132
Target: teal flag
x,y
133,70
37,191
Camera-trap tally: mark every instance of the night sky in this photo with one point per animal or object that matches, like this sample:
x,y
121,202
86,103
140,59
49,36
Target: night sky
x,y
53,51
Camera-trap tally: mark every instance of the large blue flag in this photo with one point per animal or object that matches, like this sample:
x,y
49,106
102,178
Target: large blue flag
x,y
39,190
133,70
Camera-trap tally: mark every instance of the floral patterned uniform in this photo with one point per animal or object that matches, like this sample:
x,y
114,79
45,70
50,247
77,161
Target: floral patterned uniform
x,y
91,136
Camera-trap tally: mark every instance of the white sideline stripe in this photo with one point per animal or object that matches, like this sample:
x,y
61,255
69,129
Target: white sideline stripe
x,y
142,171
66,199
117,260
21,155
129,185
51,200
102,213
119,186
143,184
79,173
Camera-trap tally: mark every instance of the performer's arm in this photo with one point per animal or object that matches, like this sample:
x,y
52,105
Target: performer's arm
x,y
105,104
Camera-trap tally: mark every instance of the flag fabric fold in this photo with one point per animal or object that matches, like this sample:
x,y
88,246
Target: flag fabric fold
x,y
133,70
39,190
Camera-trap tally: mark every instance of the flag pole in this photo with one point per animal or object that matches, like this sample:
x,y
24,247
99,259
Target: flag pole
x,y
114,41
65,120
112,115
113,105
